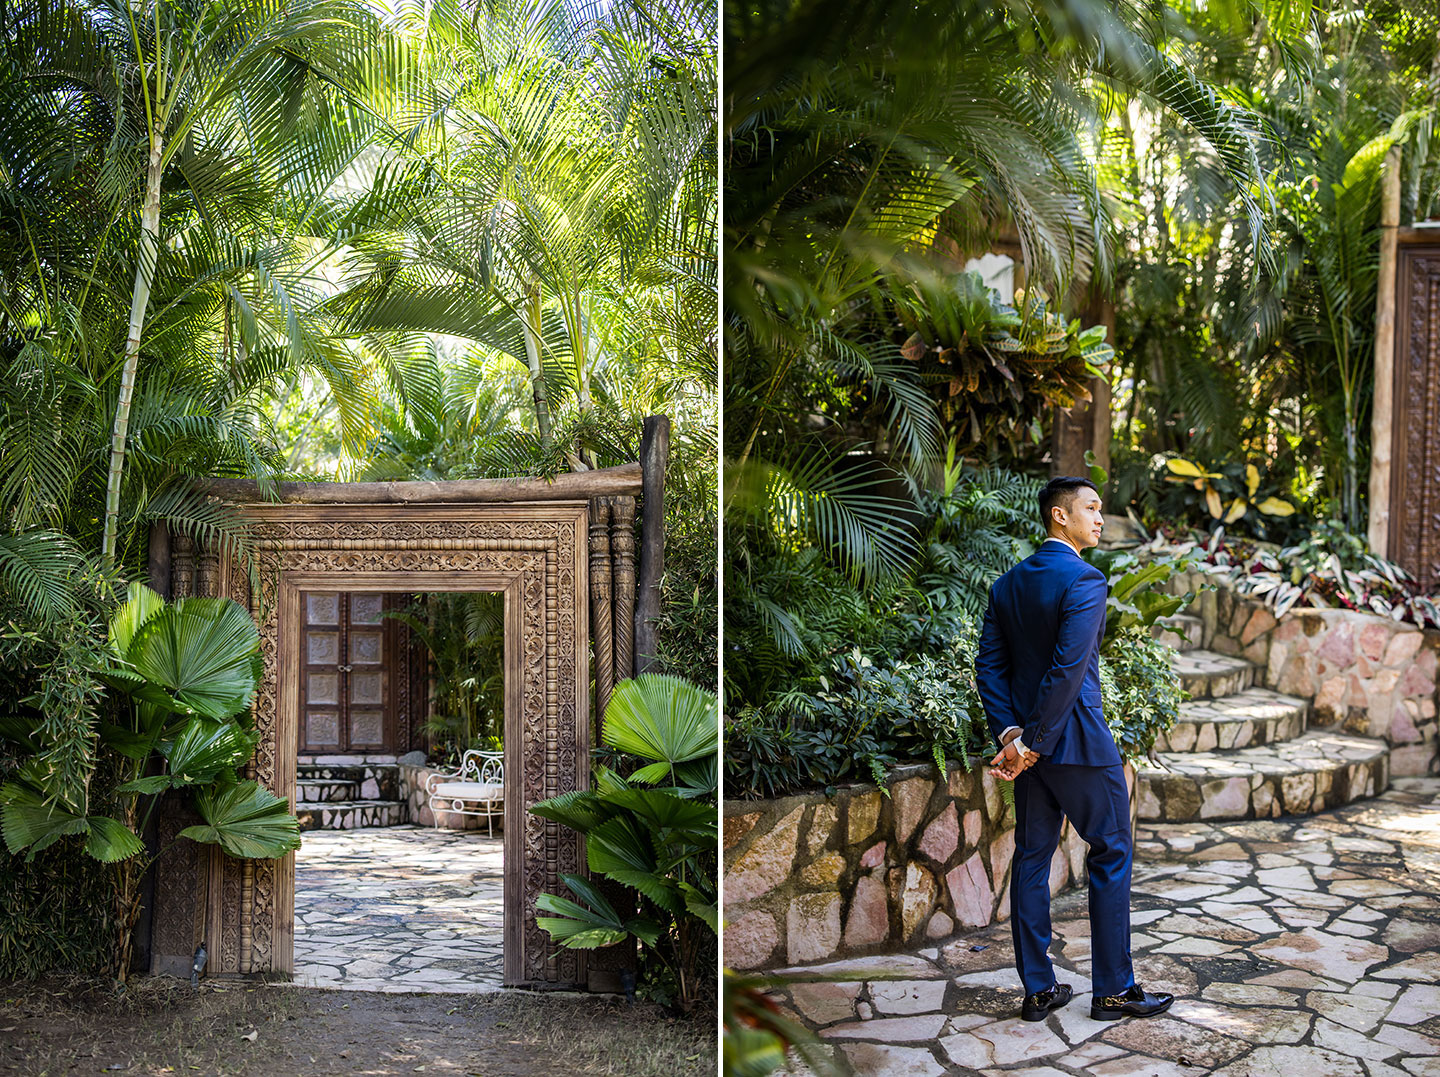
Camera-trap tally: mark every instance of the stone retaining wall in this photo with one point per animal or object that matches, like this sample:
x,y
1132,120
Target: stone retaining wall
x,y
813,877
417,802
1375,676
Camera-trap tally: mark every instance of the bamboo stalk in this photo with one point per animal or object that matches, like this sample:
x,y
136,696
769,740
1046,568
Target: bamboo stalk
x,y
139,303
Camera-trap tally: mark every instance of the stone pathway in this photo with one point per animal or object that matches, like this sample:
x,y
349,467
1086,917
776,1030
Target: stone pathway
x,y
1296,947
403,908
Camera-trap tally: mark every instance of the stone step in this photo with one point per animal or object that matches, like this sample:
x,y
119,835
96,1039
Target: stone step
x,y
1246,719
1321,770
350,814
372,781
320,772
1183,631
324,790
1210,675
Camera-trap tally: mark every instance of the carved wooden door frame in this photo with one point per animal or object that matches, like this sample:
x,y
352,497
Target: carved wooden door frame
x,y
536,555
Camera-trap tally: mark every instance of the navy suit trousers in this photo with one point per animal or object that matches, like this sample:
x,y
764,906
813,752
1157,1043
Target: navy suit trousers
x,y
1097,804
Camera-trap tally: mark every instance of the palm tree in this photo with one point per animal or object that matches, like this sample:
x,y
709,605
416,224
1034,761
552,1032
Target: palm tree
x,y
178,183
555,197
199,101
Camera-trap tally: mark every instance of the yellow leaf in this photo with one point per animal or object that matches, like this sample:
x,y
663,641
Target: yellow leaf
x,y
1237,510
1212,502
1184,467
1274,506
1252,478
1189,470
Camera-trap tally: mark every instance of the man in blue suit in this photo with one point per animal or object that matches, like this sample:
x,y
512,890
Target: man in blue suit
x,y
1038,671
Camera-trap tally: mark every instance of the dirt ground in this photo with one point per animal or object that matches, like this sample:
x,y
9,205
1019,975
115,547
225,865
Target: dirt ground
x,y
163,1026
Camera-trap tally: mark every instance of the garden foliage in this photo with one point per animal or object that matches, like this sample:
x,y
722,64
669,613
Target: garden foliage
x,y
1329,568
653,831
830,683
190,671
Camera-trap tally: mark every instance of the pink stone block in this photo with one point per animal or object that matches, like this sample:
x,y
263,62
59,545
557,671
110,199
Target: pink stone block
x,y
1002,851
767,863
1373,638
942,836
1260,622
1298,677
1339,646
869,921
910,797
750,940
874,856
970,894
1287,631
940,925
1403,647
972,827
1330,699
1378,712
1425,661
1402,726
1276,663
918,899
1415,682
812,927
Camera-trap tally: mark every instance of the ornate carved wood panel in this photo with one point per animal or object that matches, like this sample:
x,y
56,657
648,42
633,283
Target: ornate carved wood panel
x,y
535,554
1414,533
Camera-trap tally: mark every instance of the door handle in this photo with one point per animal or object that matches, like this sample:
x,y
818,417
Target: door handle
x,y
343,669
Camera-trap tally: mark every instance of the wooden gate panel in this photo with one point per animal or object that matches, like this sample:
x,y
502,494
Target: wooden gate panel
x,y
1414,532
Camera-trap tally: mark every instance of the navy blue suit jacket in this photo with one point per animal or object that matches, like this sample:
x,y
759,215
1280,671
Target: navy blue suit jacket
x,y
1038,665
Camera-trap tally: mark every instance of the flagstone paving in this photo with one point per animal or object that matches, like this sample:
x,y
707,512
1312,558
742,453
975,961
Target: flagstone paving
x,y
403,908
1296,947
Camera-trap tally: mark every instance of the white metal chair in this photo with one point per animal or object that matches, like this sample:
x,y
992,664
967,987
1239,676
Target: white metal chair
x,y
479,782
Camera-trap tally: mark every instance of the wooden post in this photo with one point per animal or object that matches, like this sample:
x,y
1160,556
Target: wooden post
x,y
601,611
1383,407
654,459
182,571
159,559
622,558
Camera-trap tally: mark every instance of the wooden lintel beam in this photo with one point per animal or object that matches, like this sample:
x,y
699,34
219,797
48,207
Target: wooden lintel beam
x,y
570,486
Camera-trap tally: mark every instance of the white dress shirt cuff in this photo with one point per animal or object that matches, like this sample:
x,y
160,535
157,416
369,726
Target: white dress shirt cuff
x,y
1019,744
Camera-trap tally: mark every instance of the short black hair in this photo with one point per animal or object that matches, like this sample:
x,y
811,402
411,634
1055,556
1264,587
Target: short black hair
x,y
1061,491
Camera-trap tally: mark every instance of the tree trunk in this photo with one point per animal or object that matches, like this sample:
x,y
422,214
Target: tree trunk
x,y
654,459
531,327
139,302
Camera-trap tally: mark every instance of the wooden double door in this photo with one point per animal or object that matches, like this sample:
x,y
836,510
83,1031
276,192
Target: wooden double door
x,y
350,657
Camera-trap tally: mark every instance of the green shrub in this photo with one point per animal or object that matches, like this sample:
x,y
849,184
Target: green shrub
x,y
1141,691
651,830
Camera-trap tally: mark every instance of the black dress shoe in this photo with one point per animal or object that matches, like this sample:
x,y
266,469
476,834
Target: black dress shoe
x,y
1042,1002
1135,1002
